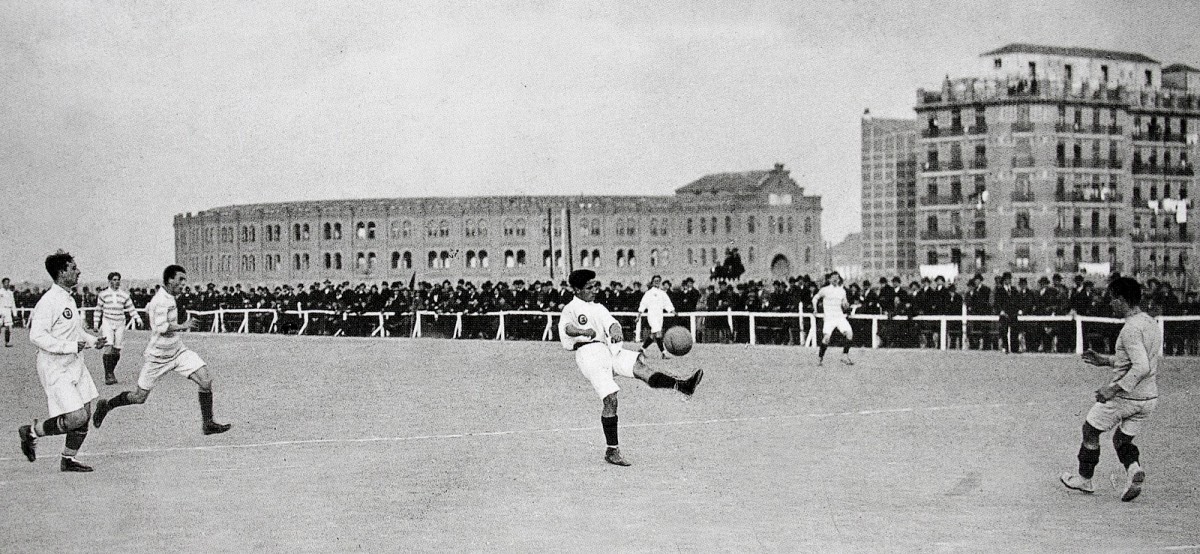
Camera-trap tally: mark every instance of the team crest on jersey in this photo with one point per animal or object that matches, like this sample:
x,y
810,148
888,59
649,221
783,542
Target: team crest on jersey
x,y
67,313
582,319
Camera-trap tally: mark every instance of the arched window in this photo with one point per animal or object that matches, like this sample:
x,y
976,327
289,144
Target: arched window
x,y
770,224
558,258
337,231
433,259
328,234
444,228
370,230
596,258
483,259
750,224
585,258
808,225
408,260
360,261
653,257
361,230
520,258
328,260
337,260
703,226
395,260
545,258
444,257
779,225
510,260
471,261
703,257
620,258
654,226
630,258
728,224
691,257
789,224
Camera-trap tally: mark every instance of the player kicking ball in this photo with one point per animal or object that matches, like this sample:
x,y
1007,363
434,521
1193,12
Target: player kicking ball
x,y
1128,399
166,353
834,305
588,329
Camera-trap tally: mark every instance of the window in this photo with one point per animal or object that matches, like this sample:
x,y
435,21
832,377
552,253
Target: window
x,y
521,258
689,226
997,63
433,259
620,258
728,226
596,258
510,259
808,225
444,259
471,261
750,224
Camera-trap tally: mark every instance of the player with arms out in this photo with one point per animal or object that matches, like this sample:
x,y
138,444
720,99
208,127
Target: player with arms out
x,y
834,305
587,328
654,303
56,329
8,311
166,353
1129,398
113,310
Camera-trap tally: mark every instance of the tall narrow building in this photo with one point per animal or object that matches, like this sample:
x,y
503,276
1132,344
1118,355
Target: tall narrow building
x,y
889,161
1057,160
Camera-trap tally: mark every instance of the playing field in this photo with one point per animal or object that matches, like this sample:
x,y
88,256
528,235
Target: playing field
x,y
435,445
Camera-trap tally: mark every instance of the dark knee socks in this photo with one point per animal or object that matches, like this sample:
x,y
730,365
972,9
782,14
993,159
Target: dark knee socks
x,y
56,425
120,400
609,423
206,405
74,441
1088,458
110,362
659,380
1127,452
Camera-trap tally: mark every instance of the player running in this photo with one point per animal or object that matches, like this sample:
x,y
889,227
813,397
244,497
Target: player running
x,y
834,305
1128,399
56,329
654,303
587,328
113,310
166,353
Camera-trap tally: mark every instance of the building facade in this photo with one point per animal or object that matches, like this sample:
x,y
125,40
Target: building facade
x,y
764,214
889,191
1060,160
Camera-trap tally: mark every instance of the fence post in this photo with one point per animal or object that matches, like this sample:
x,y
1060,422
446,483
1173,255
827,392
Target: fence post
x,y
637,329
457,326
548,332
1078,334
500,328
942,346
1162,336
245,326
416,332
752,333
692,324
962,343
874,332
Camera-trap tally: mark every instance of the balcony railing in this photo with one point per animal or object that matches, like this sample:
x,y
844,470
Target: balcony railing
x,y
1162,236
1088,232
1159,136
1022,127
1023,161
1022,196
931,132
977,129
1103,196
1022,233
953,165
942,200
975,90
1115,129
1152,169
955,130
979,163
1085,163
932,165
943,234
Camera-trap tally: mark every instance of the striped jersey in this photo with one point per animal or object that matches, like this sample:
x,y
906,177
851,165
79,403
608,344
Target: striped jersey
x,y
163,312
113,305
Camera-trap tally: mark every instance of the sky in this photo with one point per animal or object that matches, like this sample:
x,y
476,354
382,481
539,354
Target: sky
x,y
119,115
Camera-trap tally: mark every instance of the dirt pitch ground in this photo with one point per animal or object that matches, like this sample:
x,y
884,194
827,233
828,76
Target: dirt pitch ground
x,y
435,445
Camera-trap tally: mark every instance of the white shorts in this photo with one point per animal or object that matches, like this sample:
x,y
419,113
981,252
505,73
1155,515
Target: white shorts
x,y
656,322
6,318
114,332
185,364
600,362
839,323
68,387
1126,414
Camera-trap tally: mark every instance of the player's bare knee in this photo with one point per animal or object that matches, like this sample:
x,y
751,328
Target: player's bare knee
x,y
76,419
139,395
610,405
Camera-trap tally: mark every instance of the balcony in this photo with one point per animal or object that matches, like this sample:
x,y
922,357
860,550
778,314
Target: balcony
x,y
1114,129
1023,161
1066,267
974,91
941,200
1022,127
979,163
1159,136
1087,232
1090,196
1022,233
954,131
977,129
1162,236
931,132
955,234
953,165
1026,266
1153,169
1022,196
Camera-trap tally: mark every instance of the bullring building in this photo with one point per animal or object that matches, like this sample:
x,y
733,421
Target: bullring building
x,y
764,214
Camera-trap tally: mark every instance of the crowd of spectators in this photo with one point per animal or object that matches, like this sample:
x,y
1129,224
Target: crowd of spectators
x,y
893,298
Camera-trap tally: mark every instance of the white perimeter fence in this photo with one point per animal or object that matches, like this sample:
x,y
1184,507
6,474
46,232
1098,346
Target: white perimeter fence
x,y
1063,333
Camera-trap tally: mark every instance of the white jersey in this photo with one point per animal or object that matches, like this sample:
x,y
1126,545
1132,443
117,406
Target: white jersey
x,y
163,344
654,303
56,327
585,315
113,306
8,305
833,297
